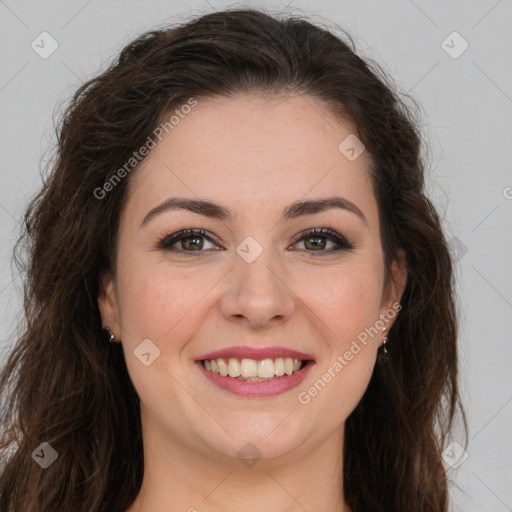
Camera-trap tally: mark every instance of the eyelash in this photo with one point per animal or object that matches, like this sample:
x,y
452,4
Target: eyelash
x,y
343,243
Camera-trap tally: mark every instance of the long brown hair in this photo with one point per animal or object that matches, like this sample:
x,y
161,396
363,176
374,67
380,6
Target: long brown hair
x,y
65,385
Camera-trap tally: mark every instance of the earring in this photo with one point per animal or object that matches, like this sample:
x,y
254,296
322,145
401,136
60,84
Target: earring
x,y
111,336
384,341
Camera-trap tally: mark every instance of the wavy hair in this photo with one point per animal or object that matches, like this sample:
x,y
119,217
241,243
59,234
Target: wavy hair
x,y
65,385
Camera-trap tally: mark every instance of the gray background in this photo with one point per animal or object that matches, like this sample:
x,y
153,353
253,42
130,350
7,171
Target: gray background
x,y
467,104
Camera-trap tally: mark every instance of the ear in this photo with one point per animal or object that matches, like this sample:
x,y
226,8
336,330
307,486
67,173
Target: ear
x,y
107,304
394,289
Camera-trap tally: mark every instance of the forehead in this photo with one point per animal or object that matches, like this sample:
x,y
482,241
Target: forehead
x,y
250,151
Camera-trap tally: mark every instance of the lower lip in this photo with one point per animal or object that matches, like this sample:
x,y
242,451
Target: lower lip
x,y
264,389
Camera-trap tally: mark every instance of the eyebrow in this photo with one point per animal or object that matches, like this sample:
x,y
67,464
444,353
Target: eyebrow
x,y
216,211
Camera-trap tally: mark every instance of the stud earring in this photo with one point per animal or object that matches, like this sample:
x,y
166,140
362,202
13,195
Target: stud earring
x,y
111,336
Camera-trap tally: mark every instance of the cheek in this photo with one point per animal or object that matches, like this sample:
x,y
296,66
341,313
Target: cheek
x,y
346,300
164,306
157,301
347,305
169,305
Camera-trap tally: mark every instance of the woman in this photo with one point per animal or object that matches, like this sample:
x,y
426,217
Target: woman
x,y
237,205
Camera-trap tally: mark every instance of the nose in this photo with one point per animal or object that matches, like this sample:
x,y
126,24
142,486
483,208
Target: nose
x,y
257,294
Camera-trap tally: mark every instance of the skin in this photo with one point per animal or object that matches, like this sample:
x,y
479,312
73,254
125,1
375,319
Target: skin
x,y
254,156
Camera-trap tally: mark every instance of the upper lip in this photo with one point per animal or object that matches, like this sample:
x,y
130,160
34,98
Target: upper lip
x,y
242,352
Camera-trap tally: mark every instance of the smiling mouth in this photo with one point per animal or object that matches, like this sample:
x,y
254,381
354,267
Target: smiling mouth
x,y
254,370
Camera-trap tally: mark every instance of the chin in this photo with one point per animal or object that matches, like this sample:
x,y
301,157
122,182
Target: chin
x,y
259,436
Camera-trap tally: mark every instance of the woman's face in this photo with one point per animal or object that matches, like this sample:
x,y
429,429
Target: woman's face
x,y
254,280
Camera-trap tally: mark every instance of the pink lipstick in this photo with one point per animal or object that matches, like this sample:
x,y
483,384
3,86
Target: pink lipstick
x,y
255,372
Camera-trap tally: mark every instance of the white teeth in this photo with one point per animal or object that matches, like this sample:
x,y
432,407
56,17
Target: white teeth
x,y
234,368
279,367
288,366
223,367
266,369
249,368
253,370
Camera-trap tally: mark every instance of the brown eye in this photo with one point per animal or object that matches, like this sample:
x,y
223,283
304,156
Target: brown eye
x,y
317,240
191,240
